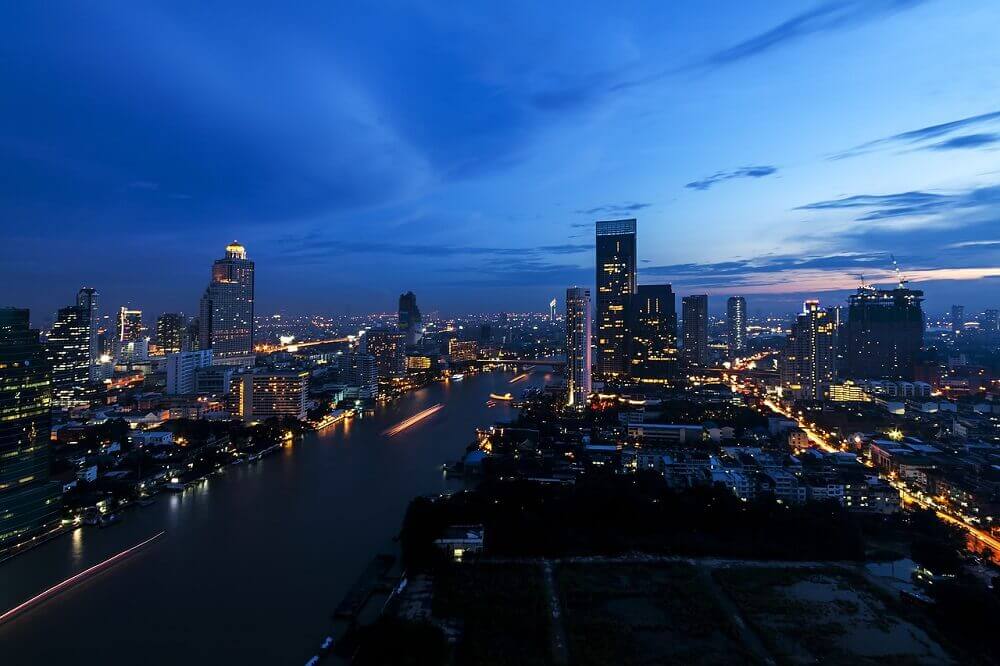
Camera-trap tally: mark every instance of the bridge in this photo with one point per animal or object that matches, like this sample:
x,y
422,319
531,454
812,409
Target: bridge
x,y
554,362
294,346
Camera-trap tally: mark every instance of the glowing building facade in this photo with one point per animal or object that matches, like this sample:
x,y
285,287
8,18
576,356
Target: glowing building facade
x,y
616,280
808,363
274,394
694,312
226,316
28,502
89,299
578,340
652,328
69,356
736,326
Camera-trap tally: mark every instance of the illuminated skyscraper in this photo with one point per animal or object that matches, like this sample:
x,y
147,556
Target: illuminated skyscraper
x,y
274,394
28,503
809,359
885,330
88,298
694,311
69,356
226,324
129,326
736,325
652,329
389,349
410,321
578,338
616,266
171,329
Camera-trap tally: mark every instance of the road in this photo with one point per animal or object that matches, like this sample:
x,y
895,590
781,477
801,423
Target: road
x,y
979,535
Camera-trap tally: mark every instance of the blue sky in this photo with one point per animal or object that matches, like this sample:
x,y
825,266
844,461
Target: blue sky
x,y
772,149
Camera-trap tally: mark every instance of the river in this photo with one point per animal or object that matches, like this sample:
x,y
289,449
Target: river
x,y
254,561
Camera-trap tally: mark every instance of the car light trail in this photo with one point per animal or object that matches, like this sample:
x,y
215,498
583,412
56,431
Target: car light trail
x,y
73,580
413,420
520,377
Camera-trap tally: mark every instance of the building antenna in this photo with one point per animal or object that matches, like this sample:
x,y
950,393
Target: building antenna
x,y
899,276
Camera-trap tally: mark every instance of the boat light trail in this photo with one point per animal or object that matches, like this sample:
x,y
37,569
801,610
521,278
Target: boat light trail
x,y
73,580
520,377
413,420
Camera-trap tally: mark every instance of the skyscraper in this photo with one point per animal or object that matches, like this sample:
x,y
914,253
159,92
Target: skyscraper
x,y
694,311
616,266
69,356
578,335
652,329
809,359
171,329
957,318
410,320
736,326
885,331
129,326
989,321
552,310
28,503
88,299
226,324
389,349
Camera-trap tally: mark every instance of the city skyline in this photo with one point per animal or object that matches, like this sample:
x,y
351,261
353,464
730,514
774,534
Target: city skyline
x,y
771,151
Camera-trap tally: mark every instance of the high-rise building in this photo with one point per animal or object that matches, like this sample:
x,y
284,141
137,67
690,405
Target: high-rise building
x,y
616,270
989,321
410,321
957,318
736,326
462,351
28,503
225,321
129,326
171,329
182,369
389,349
884,331
808,362
552,310
274,394
362,372
578,337
694,313
89,299
69,356
652,328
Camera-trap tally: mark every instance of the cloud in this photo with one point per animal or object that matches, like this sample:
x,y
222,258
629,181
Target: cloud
x,y
827,17
975,243
743,172
919,138
612,209
911,204
313,246
966,141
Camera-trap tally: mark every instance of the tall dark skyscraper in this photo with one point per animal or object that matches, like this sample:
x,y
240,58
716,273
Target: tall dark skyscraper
x,y
809,359
171,329
616,267
957,318
694,312
736,326
578,337
225,321
89,299
885,331
652,342
410,321
69,356
28,503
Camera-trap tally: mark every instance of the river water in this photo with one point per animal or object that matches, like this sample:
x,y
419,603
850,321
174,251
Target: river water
x,y
254,561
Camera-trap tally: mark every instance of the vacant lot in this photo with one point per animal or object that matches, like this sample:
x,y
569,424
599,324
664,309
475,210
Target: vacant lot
x,y
645,614
825,615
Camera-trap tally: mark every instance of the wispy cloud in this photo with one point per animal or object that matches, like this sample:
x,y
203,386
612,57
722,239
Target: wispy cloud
x,y
318,247
742,172
975,243
613,209
921,138
911,204
827,17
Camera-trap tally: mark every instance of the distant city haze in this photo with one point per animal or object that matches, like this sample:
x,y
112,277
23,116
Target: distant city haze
x,y
775,151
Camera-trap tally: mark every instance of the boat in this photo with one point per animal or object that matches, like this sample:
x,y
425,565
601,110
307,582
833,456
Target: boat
x,y
504,396
458,376
491,403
